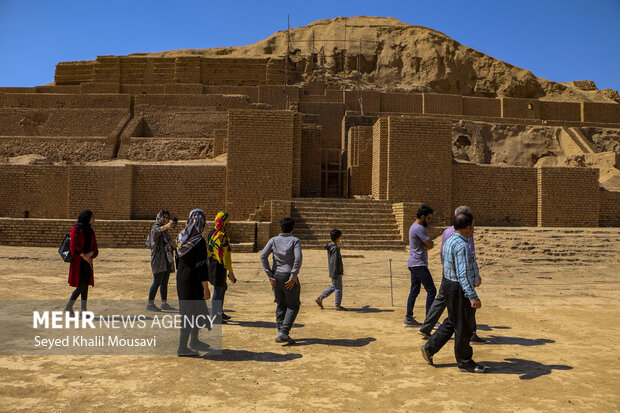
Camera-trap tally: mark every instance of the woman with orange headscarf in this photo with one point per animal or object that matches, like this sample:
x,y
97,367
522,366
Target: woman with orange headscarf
x,y
218,249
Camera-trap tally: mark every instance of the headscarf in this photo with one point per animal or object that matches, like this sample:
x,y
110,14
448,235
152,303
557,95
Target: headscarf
x,y
192,233
159,215
219,243
83,223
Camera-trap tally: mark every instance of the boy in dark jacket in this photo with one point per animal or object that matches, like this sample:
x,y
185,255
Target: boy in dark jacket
x,y
335,271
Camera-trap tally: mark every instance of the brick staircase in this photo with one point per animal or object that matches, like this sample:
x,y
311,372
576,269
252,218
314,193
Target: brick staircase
x,y
365,224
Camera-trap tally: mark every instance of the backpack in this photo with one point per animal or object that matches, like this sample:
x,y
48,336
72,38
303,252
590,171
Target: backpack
x,y
65,249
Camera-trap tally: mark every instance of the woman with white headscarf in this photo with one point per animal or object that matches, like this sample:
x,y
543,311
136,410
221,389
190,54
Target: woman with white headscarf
x,y
192,281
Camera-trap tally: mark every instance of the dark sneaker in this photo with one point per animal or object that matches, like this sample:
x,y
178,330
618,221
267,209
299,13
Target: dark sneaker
x,y
340,308
411,322
226,316
284,338
187,353
424,335
427,355
153,307
436,326
476,339
70,311
478,368
167,307
319,301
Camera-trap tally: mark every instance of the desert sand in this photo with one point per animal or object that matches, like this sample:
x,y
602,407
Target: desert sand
x,y
549,316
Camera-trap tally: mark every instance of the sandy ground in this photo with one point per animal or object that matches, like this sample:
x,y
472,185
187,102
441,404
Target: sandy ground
x,y
551,325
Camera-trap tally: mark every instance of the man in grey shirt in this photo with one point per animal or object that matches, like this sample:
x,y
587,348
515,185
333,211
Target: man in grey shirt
x,y
287,258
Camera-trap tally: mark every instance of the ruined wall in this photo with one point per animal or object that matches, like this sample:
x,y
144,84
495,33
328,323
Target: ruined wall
x,y
311,161
40,190
360,160
568,197
609,208
419,163
73,149
179,189
496,195
260,159
379,158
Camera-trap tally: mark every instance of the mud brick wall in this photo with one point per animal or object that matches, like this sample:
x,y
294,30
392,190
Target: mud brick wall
x,y
360,160
276,95
106,190
134,69
520,108
448,104
74,149
600,112
168,149
100,87
107,69
40,190
401,102
405,213
74,73
41,100
297,154
311,160
568,197
560,111
496,195
183,88
181,123
473,106
179,189
609,208
217,102
419,163
59,122
379,158
220,137
371,101
350,120
250,91
260,158
331,115
114,233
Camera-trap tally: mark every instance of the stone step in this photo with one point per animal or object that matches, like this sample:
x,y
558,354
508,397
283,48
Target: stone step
x,y
353,224
340,215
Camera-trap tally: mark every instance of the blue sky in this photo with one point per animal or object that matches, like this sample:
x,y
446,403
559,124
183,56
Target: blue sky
x,y
561,40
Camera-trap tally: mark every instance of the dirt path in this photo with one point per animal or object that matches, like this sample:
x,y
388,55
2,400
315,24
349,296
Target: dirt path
x,y
552,331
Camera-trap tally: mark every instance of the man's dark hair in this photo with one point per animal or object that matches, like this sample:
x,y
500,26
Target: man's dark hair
x,y
463,220
334,234
287,224
424,210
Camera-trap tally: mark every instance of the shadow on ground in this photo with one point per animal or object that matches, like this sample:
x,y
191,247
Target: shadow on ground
x,y
258,324
344,342
368,309
526,369
244,355
519,341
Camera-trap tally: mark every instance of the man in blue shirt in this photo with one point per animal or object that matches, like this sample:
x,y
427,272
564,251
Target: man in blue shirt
x,y
287,258
419,244
460,276
433,315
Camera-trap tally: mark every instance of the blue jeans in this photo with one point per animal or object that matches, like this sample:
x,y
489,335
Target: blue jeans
x,y
160,281
420,275
218,295
336,286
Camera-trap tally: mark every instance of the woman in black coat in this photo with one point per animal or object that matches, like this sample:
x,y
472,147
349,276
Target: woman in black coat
x,y
192,283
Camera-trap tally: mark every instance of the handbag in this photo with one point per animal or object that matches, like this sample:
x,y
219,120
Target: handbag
x,y
65,249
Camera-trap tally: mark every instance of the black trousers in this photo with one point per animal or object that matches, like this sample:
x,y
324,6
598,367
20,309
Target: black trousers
x,y
434,314
288,303
459,322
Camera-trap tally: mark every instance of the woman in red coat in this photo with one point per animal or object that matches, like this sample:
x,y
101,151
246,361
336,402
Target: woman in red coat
x,y
83,250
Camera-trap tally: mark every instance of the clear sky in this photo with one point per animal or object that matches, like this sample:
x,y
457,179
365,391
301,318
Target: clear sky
x,y
560,40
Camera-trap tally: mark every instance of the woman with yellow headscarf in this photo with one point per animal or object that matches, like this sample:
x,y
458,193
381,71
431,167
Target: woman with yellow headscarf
x,y
220,261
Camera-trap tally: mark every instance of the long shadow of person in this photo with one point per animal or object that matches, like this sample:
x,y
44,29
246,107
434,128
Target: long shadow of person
x,y
368,309
258,324
527,369
344,342
486,327
520,341
244,355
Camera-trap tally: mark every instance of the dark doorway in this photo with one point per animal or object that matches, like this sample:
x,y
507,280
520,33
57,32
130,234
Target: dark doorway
x,y
332,173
